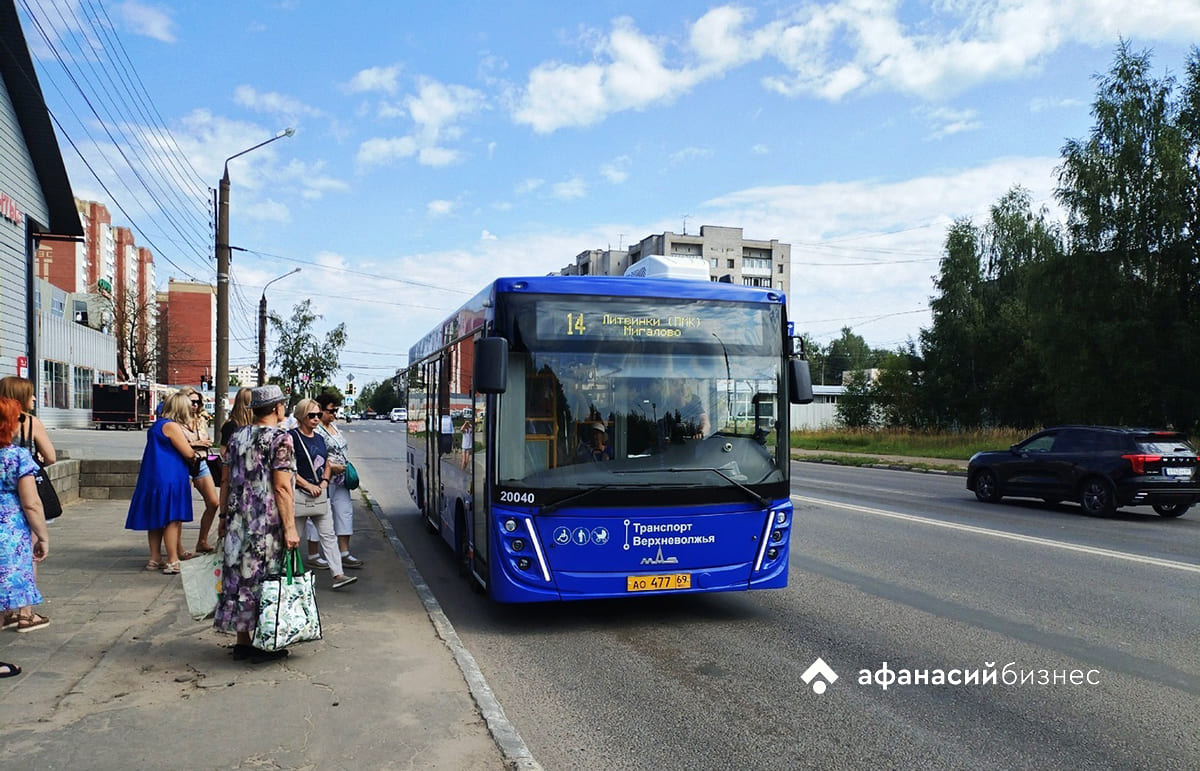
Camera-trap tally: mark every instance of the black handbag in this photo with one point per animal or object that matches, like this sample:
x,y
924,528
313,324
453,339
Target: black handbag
x,y
51,505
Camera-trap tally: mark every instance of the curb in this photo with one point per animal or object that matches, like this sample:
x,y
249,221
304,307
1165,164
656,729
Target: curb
x,y
515,752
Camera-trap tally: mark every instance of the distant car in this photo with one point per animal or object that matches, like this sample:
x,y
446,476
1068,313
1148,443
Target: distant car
x,y
1102,468
369,414
381,416
398,414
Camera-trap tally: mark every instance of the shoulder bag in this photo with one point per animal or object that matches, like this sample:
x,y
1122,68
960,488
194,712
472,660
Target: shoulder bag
x,y
351,476
307,505
287,607
51,506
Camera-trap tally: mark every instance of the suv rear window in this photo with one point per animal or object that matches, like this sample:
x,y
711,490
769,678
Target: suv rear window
x,y
1156,445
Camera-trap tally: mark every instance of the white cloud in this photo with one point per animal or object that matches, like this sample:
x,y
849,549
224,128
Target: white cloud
x,y
632,76
689,154
867,248
380,151
147,20
439,208
832,50
570,189
486,236
616,171
265,211
272,102
436,110
947,121
528,186
760,149
383,79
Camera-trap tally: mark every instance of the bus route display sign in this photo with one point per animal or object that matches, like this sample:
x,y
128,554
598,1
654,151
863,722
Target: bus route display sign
x,y
564,320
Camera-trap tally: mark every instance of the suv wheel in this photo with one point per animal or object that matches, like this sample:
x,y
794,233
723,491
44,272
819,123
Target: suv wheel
x,y
1097,497
987,489
1171,509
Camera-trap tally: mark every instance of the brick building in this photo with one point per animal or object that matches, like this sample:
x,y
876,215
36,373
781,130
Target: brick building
x,y
187,332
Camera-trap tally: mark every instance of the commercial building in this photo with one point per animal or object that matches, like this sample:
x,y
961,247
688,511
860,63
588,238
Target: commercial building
x,y
36,207
725,252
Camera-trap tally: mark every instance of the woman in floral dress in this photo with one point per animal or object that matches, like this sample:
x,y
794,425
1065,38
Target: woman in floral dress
x,y
257,524
24,538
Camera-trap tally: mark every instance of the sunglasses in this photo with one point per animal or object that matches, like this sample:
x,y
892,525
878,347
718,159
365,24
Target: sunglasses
x,y
195,404
312,415
333,410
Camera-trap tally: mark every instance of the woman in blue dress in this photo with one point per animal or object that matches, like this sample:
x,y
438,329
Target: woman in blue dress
x,y
24,538
162,500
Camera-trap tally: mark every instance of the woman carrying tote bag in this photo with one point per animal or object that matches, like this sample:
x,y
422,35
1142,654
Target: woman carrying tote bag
x,y
312,484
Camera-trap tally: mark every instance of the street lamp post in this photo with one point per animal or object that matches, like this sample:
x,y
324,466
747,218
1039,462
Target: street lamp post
x,y
221,387
262,327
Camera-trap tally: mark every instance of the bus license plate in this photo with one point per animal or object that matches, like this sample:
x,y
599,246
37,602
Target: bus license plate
x,y
658,583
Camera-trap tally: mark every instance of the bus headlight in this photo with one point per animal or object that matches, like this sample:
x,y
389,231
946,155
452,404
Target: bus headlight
x,y
772,553
510,525
777,536
780,517
524,563
518,545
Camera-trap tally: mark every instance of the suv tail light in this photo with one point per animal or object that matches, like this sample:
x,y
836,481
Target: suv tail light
x,y
1139,461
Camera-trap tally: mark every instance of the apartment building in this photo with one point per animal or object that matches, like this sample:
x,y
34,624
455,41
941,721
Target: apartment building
x,y
725,252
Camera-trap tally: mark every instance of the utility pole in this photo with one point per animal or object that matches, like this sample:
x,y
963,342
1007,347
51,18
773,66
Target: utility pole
x,y
262,328
221,387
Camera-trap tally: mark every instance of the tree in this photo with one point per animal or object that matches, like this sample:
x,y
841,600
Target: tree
x,y
856,408
1131,193
302,359
849,352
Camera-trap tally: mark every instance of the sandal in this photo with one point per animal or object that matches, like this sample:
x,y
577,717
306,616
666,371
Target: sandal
x,y
29,623
10,618
187,555
171,569
10,670
153,565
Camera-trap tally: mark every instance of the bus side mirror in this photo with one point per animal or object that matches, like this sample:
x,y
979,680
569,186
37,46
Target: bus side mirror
x,y
800,383
491,365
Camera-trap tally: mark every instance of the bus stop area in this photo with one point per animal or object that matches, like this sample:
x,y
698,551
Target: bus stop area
x,y
123,677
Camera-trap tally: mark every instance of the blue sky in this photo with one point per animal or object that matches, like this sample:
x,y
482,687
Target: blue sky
x,y
438,146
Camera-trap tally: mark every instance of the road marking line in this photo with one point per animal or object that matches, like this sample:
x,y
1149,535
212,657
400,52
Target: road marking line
x,y
1009,536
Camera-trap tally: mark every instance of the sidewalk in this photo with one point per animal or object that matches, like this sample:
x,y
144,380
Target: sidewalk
x,y
124,678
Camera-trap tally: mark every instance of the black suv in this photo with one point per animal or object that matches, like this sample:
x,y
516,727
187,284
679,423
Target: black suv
x,y
1102,468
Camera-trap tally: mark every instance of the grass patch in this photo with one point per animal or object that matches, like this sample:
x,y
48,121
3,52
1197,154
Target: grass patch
x,y
918,444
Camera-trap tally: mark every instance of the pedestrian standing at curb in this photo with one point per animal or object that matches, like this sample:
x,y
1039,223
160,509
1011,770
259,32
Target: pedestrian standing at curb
x,y
339,496
33,437
24,538
196,431
162,499
239,417
256,518
312,479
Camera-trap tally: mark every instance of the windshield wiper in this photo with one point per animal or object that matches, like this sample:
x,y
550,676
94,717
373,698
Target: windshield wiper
x,y
555,505
759,499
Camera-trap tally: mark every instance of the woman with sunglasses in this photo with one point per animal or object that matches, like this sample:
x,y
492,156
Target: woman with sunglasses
x,y
312,479
339,496
196,431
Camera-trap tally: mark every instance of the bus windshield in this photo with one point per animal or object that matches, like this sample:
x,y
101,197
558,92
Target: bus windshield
x,y
645,394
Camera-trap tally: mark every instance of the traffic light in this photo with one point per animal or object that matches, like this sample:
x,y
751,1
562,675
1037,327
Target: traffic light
x,y
350,388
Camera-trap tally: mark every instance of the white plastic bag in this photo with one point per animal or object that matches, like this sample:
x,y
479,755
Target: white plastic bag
x,y
201,581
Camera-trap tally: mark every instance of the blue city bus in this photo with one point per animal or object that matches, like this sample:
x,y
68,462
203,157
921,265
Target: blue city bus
x,y
575,437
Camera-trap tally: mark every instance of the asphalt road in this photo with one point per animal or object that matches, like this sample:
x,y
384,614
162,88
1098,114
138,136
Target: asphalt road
x,y
887,566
